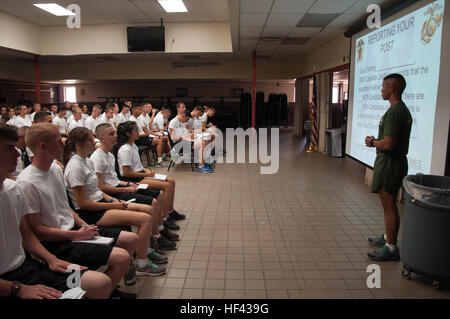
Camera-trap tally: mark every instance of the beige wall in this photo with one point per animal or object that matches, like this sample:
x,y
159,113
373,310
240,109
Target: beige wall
x,y
205,89
18,34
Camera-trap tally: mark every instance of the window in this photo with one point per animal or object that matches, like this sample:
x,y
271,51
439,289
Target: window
x,y
70,94
335,94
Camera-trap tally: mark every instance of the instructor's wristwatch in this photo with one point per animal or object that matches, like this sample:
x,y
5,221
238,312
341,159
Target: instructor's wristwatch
x,y
371,142
15,286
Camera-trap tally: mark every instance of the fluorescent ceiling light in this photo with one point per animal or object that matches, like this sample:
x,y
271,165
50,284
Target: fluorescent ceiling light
x,y
54,9
173,5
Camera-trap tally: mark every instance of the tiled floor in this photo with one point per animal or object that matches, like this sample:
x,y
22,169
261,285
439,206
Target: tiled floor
x,y
301,233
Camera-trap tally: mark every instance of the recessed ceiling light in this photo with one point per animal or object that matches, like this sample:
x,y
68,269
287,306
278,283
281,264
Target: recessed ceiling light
x,y
54,9
173,5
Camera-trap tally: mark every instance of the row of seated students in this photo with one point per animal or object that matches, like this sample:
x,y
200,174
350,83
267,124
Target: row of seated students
x,y
153,126
36,218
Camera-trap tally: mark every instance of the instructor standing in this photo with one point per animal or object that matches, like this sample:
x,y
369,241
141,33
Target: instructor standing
x,y
391,164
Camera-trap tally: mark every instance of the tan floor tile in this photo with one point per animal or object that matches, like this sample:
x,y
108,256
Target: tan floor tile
x,y
170,293
194,283
255,294
213,293
192,294
215,284
234,294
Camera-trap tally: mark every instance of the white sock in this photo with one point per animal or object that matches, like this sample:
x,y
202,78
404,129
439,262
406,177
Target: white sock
x,y
391,247
384,236
161,227
149,250
164,154
159,159
141,263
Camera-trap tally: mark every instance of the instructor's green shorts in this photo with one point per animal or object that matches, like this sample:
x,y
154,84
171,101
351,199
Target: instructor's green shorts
x,y
388,173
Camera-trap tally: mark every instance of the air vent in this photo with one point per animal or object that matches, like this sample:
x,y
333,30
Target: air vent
x,y
107,58
295,40
192,57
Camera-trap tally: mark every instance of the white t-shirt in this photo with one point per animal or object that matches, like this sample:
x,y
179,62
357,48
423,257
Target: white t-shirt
x,y
139,123
105,163
123,117
75,124
45,193
31,116
68,114
61,123
69,119
204,117
12,209
19,166
145,120
54,115
159,121
102,119
179,129
84,117
20,121
91,123
128,155
116,119
195,123
80,172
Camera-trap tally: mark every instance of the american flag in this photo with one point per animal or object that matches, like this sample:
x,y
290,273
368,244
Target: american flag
x,y
314,135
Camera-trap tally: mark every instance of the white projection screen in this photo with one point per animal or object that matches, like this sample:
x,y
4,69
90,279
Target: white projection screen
x,y
415,43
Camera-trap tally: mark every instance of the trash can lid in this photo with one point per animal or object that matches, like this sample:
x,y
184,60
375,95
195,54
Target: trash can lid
x,y
431,190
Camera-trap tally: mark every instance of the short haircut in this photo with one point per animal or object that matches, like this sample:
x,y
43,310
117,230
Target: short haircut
x,y
61,108
109,108
186,113
8,133
135,106
212,108
21,106
399,82
97,106
101,129
38,133
41,116
179,104
199,108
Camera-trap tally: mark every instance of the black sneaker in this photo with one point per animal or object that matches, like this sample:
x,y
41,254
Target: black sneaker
x,y
117,294
168,223
165,244
154,244
168,235
377,241
384,254
176,215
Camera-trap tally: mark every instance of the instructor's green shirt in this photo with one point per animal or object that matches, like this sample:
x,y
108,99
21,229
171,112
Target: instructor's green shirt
x,y
392,166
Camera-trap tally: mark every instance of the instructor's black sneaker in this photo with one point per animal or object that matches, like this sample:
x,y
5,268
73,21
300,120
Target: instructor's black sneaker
x,y
384,254
168,223
176,215
377,241
165,244
168,235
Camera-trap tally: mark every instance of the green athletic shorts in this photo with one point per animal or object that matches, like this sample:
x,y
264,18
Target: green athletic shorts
x,y
388,173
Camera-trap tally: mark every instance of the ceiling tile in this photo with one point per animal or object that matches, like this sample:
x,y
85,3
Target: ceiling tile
x,y
330,32
149,6
316,20
250,31
283,19
276,32
291,6
331,6
255,6
344,21
304,32
198,6
252,19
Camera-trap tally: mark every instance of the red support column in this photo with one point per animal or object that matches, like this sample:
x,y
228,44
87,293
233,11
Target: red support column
x,y
37,78
254,89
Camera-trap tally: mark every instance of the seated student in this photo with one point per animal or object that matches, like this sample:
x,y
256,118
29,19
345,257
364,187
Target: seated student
x,y
51,218
22,119
84,109
93,120
124,114
161,121
181,137
144,134
23,160
36,108
195,122
60,121
95,207
116,118
54,110
77,119
131,169
68,108
153,131
104,165
107,116
43,117
20,275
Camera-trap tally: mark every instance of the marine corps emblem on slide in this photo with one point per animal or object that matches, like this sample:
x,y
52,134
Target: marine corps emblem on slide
x,y
433,22
360,50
